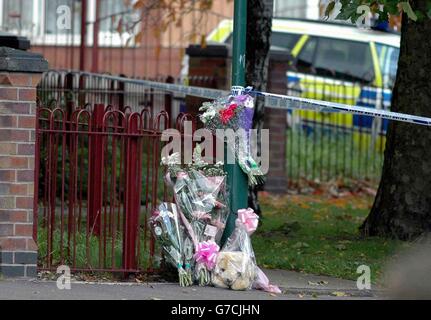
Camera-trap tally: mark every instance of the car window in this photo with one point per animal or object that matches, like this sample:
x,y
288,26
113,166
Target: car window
x,y
229,39
284,40
388,60
348,60
306,56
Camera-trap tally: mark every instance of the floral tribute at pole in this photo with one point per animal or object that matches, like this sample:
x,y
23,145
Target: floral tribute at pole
x,y
235,112
190,230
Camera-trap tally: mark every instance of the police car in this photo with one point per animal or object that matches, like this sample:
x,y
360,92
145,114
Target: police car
x,y
334,62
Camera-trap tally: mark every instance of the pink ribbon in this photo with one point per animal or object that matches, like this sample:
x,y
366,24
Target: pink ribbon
x,y
155,213
262,283
206,253
249,219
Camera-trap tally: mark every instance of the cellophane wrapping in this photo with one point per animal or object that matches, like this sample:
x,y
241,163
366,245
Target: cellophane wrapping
x,y
235,266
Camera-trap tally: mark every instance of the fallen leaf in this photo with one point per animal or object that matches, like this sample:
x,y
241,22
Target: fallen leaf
x,y
339,294
300,245
340,247
318,283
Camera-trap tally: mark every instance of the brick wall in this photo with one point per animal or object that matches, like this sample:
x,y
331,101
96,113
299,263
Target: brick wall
x,y
18,250
275,121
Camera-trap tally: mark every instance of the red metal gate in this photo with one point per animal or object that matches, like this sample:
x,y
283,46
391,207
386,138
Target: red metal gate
x,y
98,180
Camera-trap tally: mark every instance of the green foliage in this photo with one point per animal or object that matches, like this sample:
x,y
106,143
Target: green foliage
x,y
352,10
319,235
80,252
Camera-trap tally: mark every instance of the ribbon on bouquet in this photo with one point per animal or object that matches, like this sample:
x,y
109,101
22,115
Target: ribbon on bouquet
x,y
206,253
249,219
262,283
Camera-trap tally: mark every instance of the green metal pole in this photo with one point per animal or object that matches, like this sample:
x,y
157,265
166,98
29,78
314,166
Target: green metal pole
x,y
237,180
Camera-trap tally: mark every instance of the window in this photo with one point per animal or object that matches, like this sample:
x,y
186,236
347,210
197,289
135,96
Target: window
x,y
18,16
37,20
111,11
344,59
284,40
293,8
51,16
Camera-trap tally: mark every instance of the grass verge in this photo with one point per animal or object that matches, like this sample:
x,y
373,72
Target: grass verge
x,y
319,235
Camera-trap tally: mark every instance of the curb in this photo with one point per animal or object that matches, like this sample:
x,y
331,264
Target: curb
x,y
330,292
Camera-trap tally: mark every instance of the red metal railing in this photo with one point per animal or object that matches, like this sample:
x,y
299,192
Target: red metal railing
x,y
98,180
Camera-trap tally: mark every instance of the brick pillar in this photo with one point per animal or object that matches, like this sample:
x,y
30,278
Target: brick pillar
x,y
20,72
209,67
275,121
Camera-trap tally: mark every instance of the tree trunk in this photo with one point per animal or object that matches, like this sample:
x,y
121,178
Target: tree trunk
x,y
259,23
402,207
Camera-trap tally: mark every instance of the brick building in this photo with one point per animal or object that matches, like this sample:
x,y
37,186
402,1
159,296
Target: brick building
x,y
54,29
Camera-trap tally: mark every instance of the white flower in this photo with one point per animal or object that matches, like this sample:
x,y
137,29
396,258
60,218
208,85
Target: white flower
x,y
172,159
207,115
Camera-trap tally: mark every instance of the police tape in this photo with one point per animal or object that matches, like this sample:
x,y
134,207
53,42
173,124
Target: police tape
x,y
276,101
298,103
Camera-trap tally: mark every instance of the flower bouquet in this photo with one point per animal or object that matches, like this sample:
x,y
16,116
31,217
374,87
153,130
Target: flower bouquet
x,y
168,230
235,112
200,194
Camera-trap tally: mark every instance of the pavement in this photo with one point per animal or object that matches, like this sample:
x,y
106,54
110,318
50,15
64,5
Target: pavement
x,y
293,284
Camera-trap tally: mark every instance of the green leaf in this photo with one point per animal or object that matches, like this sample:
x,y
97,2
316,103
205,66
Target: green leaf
x,y
383,15
405,6
348,12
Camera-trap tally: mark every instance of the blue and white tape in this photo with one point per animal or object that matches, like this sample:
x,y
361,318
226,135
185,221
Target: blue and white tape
x,y
290,102
277,101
